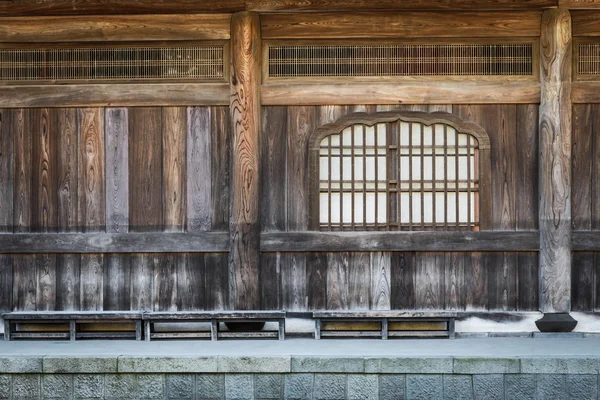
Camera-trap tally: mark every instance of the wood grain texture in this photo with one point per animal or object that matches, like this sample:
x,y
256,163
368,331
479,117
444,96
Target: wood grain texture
x,y
221,167
217,276
316,278
142,281
191,282
91,283
502,282
91,189
7,169
337,281
114,28
455,280
43,183
22,186
145,158
406,92
528,266
294,282
476,286
274,156
585,23
165,283
526,167
24,283
579,4
6,283
244,256
199,177
429,281
45,266
117,282
174,126
555,163
584,281
594,123
115,95
402,281
117,170
359,281
270,281
406,24
582,156
67,166
67,282
380,264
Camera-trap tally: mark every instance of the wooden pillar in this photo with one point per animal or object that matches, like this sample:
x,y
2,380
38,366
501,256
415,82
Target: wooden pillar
x,y
244,225
555,172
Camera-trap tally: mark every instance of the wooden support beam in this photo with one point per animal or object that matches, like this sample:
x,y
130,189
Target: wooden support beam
x,y
586,23
244,255
555,163
579,4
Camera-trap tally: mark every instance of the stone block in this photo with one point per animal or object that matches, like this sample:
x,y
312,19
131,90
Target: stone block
x,y
519,386
255,364
424,387
329,365
26,386
151,386
5,384
210,386
582,387
389,365
81,365
119,386
551,387
180,387
330,386
177,365
363,387
298,386
57,386
268,386
21,365
88,386
239,387
486,366
488,387
392,387
560,365
458,387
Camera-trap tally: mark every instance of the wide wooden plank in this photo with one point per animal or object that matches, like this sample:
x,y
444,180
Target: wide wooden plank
x,y
380,263
406,24
393,314
145,158
24,283
455,280
402,281
316,278
528,286
399,241
337,281
594,123
476,285
117,282
555,163
274,148
293,282
502,282
199,177
526,167
584,281
191,282
270,281
220,141
165,283
67,165
43,183
6,283
117,170
67,282
359,281
114,28
174,121
32,243
91,294
7,169
142,281
45,265
429,281
218,296
585,23
411,91
22,176
582,166
100,95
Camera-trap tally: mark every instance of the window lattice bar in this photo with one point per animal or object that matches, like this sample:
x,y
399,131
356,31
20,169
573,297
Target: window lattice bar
x,y
400,60
589,59
112,63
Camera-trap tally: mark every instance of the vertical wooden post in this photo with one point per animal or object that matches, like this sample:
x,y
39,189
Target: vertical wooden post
x,y
555,172
244,226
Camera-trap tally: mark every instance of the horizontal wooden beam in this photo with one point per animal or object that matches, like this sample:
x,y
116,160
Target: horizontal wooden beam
x,y
30,243
585,240
399,241
115,28
101,95
585,92
405,25
579,4
586,23
411,92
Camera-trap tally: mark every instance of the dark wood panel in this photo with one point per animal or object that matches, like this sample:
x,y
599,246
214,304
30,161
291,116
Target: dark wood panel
x,y
45,265
117,170
44,168
585,23
174,125
574,4
270,282
145,158
399,241
91,282
584,281
165,283
476,285
6,283
455,280
528,287
115,28
359,282
337,281
582,157
6,170
502,281
199,177
22,189
294,281
429,281
218,292
221,164
274,157
24,283
403,281
142,281
67,166
593,129
316,277
67,282
407,24
191,282
526,167
117,282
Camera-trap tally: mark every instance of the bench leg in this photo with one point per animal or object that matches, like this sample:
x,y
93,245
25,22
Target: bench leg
x,y
6,330
317,329
384,329
451,329
138,330
147,330
72,330
282,329
214,329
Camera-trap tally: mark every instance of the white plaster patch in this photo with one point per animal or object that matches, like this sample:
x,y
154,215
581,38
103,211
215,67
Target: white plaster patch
x,y
586,322
477,324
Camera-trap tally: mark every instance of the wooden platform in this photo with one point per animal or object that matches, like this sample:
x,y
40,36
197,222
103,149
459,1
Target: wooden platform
x,y
214,318
384,324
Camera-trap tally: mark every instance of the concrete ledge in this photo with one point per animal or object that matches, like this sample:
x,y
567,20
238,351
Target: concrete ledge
x,y
79,365
254,364
328,364
560,365
167,364
486,365
395,365
20,365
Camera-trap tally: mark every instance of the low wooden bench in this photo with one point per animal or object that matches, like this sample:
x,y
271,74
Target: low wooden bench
x,y
73,325
214,318
384,324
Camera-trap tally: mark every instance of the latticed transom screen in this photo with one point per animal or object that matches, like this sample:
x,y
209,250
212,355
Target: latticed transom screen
x,y
589,59
398,176
112,63
400,60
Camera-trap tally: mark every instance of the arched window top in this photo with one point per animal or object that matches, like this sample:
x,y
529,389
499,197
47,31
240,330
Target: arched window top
x,y
399,171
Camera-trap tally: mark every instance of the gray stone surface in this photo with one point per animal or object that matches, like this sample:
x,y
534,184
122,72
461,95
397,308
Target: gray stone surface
x,y
550,387
473,365
210,386
519,386
57,386
488,387
255,364
560,365
151,386
84,365
180,387
421,365
328,364
239,387
363,387
392,387
458,387
119,386
582,387
23,365
5,384
424,387
180,365
330,386
88,386
26,386
268,386
299,386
